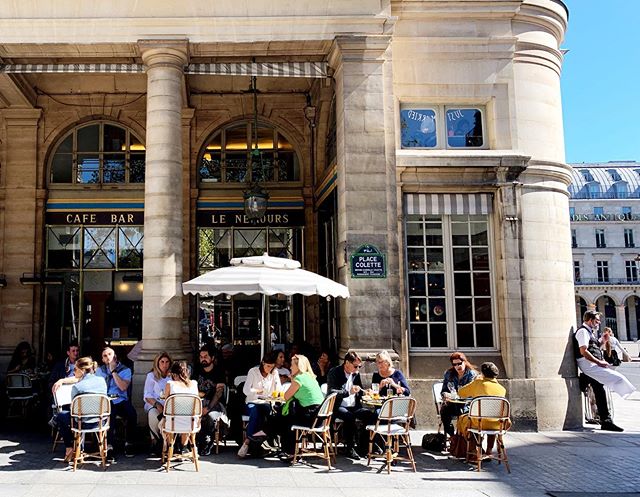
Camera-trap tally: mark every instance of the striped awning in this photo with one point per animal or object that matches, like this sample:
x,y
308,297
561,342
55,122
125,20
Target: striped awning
x,y
264,69
448,203
66,68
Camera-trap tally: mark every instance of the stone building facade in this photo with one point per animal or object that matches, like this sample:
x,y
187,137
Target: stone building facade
x,y
605,221
429,131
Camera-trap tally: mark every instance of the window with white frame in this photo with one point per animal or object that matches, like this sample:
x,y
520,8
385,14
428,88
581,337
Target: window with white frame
x,y
603,271
574,239
600,240
626,212
442,126
576,271
628,238
631,268
450,296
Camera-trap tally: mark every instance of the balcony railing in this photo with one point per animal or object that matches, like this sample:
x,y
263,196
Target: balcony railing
x,y
582,195
610,281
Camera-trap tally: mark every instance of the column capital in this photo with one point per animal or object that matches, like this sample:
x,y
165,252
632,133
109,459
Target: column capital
x,y
187,115
165,53
358,48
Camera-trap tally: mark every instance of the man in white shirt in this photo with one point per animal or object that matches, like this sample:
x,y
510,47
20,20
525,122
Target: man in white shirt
x,y
587,348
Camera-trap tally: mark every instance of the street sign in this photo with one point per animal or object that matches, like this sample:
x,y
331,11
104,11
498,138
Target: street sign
x,y
368,262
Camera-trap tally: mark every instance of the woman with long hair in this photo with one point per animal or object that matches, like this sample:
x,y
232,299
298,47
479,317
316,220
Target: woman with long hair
x,y
262,380
179,382
307,395
85,381
154,385
461,373
22,359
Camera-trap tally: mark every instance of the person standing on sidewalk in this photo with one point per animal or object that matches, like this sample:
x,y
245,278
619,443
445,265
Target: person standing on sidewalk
x,y
588,352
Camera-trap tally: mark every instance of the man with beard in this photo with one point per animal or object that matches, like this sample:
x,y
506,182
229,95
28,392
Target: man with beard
x,y
211,385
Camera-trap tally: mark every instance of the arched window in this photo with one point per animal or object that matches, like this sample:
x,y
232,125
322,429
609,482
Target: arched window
x,y
226,156
98,153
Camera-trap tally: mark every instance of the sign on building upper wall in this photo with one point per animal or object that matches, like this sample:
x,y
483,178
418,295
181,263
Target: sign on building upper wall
x,y
604,217
368,262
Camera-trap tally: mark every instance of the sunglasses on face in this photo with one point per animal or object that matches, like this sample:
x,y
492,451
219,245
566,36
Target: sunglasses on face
x,y
456,364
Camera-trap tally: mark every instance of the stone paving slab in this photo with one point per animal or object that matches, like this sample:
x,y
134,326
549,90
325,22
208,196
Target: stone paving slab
x,y
540,462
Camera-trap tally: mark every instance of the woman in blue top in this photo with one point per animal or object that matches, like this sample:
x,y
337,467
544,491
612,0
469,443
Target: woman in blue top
x,y
391,381
461,373
85,381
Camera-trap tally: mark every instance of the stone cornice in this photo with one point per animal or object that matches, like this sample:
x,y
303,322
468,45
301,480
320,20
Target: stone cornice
x,y
21,117
358,49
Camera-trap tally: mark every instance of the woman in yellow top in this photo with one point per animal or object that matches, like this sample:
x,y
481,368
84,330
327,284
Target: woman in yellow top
x,y
481,386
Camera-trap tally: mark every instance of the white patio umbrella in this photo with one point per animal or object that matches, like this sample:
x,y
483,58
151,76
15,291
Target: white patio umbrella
x,y
263,275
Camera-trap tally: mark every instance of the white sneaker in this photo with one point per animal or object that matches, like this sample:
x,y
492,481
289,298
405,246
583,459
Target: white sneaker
x,y
244,450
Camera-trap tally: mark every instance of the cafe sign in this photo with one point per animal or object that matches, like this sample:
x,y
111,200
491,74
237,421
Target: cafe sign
x,y
368,262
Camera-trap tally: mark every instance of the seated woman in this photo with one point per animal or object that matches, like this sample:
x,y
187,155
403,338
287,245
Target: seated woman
x,y
308,397
153,396
391,381
22,360
179,382
487,384
85,382
321,367
461,373
261,380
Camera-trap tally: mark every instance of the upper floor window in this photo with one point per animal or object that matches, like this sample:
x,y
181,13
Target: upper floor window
x,y
574,239
572,211
628,238
598,211
600,240
631,269
594,189
98,153
441,126
620,190
602,268
227,156
576,271
626,212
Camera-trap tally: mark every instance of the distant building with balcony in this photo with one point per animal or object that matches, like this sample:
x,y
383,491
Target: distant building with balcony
x,y
605,239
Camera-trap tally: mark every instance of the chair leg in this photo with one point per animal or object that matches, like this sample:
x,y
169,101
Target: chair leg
x,y
389,453
76,450
103,459
295,449
370,451
194,451
326,441
407,440
479,450
217,436
503,450
172,439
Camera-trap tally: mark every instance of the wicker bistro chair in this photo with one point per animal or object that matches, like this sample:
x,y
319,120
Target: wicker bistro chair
x,y
182,415
393,426
437,399
19,392
485,412
61,401
90,413
237,381
319,431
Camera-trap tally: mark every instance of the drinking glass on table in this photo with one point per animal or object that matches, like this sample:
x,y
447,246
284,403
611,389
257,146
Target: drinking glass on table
x,y
375,388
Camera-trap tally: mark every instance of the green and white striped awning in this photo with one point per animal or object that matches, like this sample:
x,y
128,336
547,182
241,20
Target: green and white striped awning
x,y
263,69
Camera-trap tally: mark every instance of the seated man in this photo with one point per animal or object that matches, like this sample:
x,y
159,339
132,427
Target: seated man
x,y
211,386
118,378
64,368
346,382
487,384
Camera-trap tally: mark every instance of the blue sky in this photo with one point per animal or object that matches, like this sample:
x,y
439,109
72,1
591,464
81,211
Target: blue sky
x,y
601,81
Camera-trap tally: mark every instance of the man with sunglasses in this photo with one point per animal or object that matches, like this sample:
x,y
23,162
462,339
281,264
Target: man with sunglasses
x,y
587,349
346,382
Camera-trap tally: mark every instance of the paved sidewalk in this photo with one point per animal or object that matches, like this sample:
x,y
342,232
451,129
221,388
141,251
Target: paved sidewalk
x,y
540,462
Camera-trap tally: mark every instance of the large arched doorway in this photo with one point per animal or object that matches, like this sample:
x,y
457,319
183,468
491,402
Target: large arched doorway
x,y
225,169
632,312
607,307
94,239
581,308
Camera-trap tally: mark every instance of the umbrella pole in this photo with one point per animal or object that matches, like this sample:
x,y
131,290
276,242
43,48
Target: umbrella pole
x,y
263,325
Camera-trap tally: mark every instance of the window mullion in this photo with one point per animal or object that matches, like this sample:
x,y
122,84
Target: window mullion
x,y
449,293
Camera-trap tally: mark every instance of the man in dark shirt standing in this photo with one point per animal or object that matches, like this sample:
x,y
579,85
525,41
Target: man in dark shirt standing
x,y
211,385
